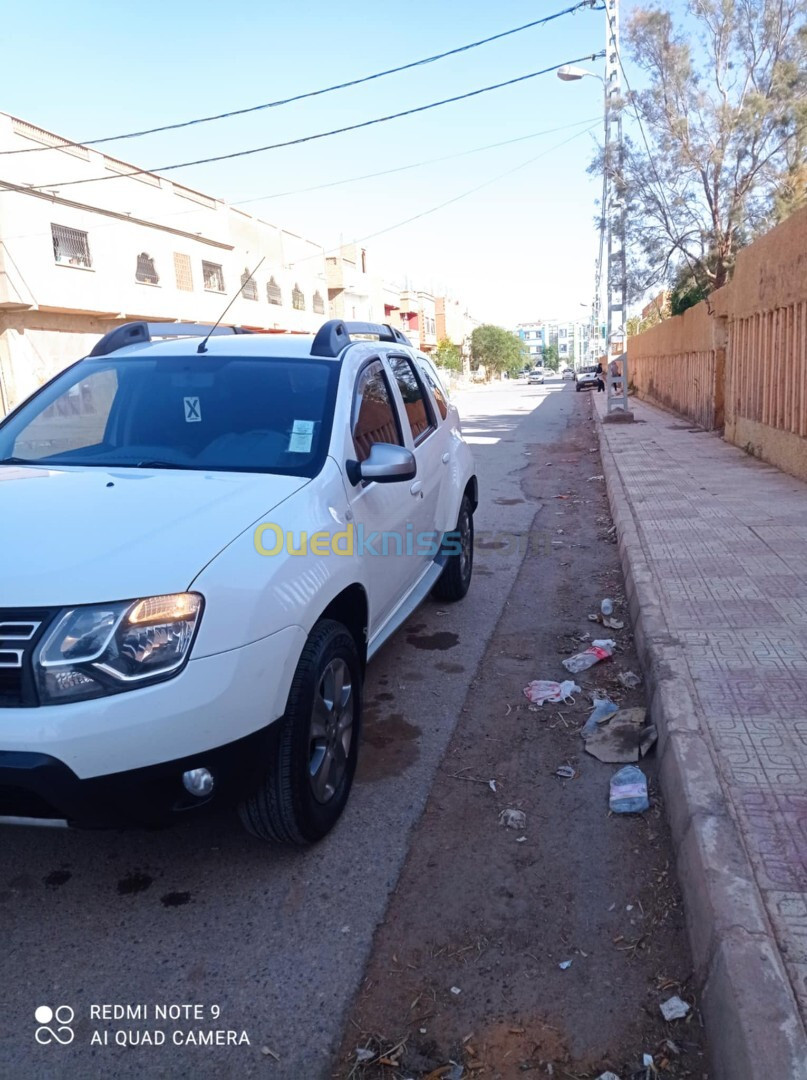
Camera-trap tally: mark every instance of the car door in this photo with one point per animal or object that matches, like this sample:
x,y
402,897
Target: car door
x,y
420,427
382,513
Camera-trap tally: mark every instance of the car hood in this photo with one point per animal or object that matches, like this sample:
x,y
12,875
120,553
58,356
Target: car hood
x,y
78,536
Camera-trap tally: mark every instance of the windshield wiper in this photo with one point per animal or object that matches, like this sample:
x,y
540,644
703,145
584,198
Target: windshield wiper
x,y
158,465
19,461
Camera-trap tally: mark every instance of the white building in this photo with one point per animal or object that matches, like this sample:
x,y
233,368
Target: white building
x,y
571,338
84,247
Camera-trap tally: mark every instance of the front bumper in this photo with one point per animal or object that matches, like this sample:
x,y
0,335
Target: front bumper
x,y
40,789
74,757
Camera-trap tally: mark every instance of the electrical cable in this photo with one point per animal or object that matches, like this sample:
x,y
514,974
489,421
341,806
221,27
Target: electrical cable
x,y
454,199
412,165
322,134
9,186
314,93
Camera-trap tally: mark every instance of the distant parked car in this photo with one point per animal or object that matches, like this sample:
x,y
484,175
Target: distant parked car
x,y
587,378
535,376
567,373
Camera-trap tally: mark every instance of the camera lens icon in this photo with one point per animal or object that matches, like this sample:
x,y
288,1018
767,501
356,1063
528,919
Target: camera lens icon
x,y
54,1025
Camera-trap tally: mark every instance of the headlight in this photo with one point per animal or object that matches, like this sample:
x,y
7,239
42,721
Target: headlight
x,y
107,648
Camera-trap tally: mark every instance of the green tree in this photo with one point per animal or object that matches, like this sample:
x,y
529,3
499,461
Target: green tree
x,y
448,355
551,357
497,350
725,115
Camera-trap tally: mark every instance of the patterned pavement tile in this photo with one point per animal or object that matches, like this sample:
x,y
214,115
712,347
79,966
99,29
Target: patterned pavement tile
x,y
725,538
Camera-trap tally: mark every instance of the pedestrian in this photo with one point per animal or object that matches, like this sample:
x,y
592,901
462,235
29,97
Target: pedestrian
x,y
600,382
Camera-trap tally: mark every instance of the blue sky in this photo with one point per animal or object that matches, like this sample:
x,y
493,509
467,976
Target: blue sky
x,y
521,248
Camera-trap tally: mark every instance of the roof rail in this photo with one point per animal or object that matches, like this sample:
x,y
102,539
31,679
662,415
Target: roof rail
x,y
335,334
134,333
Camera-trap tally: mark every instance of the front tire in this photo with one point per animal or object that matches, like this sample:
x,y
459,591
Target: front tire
x,y
314,752
455,579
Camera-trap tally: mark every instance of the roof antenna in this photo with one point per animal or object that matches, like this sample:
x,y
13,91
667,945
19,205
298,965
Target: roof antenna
x,y
203,345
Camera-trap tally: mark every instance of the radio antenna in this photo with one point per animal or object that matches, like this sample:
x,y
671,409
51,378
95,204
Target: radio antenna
x,y
203,345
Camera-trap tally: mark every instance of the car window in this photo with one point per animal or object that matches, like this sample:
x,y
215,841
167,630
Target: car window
x,y
76,418
433,380
194,411
418,410
375,419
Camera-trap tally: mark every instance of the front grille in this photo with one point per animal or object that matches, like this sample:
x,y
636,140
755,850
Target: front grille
x,y
20,632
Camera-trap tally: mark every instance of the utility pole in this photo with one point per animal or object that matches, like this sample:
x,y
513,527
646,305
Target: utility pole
x,y
614,215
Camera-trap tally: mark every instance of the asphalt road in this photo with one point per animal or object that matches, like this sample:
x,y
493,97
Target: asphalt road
x,y
268,943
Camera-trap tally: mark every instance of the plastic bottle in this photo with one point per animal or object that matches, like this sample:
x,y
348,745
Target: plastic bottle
x,y
629,791
607,607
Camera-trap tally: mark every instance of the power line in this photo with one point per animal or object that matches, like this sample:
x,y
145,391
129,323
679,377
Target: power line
x,y
412,165
315,93
322,134
454,199
8,186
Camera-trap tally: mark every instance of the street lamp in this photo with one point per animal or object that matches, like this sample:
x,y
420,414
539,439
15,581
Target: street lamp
x,y
570,73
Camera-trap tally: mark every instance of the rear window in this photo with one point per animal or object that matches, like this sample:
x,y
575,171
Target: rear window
x,y
202,412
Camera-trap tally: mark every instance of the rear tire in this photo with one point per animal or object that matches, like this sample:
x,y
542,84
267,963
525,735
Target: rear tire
x,y
314,751
455,579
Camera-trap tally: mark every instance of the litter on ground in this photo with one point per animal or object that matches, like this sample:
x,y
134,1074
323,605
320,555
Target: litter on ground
x,y
566,772
598,650
513,819
629,791
628,680
603,710
674,1008
564,965
624,739
541,690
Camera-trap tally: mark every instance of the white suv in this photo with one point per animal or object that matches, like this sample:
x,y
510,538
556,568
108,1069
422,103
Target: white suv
x,y
204,541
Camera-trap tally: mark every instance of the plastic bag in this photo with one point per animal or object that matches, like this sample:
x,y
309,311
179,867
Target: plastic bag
x,y
629,791
542,690
598,650
603,710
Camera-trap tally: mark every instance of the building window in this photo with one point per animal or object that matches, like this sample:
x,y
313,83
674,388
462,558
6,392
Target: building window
x,y
318,304
297,298
249,289
70,247
145,270
183,272
213,277
273,293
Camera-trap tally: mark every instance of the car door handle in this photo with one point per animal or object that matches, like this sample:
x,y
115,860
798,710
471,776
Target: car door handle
x,y
417,488
446,458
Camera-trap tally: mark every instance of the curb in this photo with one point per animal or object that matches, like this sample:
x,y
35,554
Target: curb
x,y
753,1024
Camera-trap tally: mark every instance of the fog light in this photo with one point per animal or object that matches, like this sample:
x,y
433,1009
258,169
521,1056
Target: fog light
x,y
198,781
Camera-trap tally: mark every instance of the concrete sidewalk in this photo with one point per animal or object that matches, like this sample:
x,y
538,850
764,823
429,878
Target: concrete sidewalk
x,y
714,549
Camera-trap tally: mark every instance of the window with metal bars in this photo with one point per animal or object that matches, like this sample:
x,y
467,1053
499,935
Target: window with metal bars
x,y
249,290
183,272
273,292
70,246
297,298
213,276
318,304
146,271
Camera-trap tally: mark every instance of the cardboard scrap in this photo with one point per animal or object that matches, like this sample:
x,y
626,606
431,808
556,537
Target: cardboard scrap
x,y
625,738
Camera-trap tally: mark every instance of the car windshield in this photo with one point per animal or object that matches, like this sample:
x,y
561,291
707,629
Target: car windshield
x,y
203,412
588,370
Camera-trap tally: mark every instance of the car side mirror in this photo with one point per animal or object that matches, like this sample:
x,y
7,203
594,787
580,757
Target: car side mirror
x,y
385,464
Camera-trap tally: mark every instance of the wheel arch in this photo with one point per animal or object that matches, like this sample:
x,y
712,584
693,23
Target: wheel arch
x,y
472,491
350,608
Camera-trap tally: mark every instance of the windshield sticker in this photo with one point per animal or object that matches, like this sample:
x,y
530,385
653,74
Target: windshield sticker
x,y
193,410
302,435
